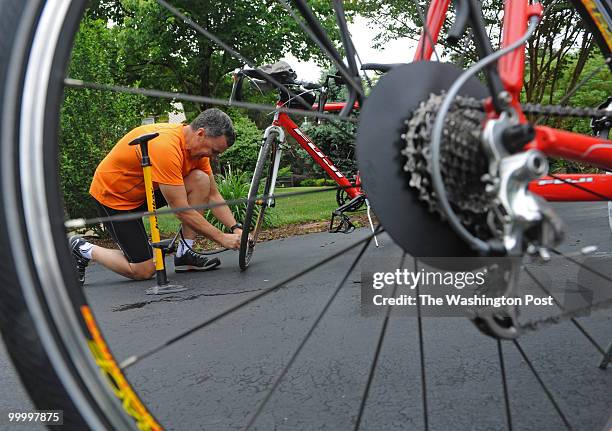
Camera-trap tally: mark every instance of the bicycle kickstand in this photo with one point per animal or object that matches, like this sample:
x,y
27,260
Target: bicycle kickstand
x,y
370,219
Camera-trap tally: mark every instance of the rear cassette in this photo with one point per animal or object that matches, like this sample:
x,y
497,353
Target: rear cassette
x,y
401,207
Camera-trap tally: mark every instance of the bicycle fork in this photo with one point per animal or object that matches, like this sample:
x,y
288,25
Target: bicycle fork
x,y
278,149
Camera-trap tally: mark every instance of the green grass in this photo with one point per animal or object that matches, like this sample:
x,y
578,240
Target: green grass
x,y
288,210
302,208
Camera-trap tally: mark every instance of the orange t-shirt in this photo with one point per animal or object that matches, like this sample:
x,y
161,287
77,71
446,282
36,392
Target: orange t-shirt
x,y
119,183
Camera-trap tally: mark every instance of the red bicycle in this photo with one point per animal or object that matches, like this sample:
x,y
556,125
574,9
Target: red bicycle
x,y
446,160
349,196
560,144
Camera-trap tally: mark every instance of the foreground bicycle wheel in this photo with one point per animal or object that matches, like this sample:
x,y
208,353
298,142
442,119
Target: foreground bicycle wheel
x,y
45,320
254,219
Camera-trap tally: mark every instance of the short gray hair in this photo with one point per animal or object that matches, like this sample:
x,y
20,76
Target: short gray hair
x,y
216,123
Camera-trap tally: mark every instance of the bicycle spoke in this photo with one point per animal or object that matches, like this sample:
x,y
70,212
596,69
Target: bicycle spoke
x,y
283,372
573,320
75,83
379,344
582,265
543,385
502,367
421,353
132,360
347,41
367,78
318,35
81,223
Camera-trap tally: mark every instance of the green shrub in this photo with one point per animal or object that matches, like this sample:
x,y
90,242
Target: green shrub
x,y
284,172
242,156
317,182
339,145
91,121
234,186
320,182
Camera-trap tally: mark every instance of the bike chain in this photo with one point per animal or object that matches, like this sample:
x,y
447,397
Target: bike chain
x,y
461,162
535,108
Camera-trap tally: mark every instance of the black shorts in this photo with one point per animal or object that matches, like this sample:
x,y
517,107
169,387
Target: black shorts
x,y
131,236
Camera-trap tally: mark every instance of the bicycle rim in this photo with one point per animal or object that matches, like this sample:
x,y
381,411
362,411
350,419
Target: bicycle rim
x,y
250,232
68,333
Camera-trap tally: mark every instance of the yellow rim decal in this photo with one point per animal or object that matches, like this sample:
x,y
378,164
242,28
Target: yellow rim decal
x,y
599,20
122,389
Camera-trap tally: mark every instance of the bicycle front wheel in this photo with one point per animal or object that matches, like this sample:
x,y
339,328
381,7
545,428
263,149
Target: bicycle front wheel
x,y
256,206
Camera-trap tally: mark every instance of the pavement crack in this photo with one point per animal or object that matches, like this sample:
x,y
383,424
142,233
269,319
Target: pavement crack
x,y
173,298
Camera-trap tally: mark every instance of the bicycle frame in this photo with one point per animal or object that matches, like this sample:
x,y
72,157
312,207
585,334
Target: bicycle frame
x,y
552,142
283,121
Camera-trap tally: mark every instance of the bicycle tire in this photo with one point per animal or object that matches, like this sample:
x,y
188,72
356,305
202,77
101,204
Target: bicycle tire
x,y
43,312
248,240
48,339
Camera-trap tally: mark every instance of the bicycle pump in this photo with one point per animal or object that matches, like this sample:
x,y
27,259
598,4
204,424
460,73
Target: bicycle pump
x,y
160,247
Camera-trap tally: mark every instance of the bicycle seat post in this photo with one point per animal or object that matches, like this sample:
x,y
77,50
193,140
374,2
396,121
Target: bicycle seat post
x,y
163,285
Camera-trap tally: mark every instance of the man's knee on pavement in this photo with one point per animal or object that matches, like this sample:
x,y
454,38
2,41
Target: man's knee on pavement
x,y
143,270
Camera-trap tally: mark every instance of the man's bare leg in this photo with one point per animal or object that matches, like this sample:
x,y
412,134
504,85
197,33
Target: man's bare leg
x,y
197,185
116,262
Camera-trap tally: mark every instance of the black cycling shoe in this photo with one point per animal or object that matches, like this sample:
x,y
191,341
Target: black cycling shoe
x,y
80,260
192,261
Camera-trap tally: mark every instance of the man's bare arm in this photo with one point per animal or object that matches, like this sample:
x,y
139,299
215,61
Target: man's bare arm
x,y
176,196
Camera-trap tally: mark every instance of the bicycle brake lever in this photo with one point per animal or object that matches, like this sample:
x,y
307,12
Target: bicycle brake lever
x,y
462,16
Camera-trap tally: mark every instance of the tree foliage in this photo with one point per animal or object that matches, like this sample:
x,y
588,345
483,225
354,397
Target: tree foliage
x,y
561,42
163,52
242,156
91,121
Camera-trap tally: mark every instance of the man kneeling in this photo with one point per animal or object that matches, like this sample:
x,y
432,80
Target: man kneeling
x,y
182,177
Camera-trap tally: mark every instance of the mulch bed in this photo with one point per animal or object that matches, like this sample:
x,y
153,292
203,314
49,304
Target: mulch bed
x,y
359,220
